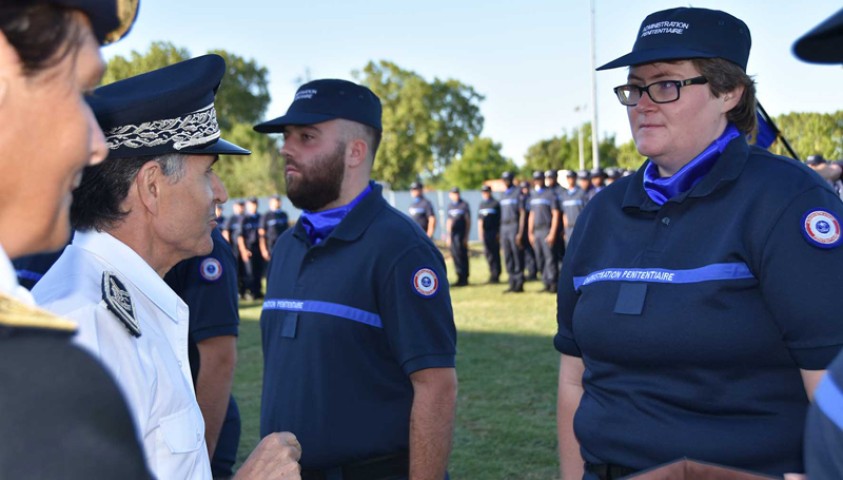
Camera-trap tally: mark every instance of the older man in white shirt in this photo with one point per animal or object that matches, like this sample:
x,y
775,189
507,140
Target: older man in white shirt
x,y
144,209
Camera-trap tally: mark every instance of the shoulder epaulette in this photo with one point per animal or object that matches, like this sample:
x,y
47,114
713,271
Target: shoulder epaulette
x,y
16,314
119,302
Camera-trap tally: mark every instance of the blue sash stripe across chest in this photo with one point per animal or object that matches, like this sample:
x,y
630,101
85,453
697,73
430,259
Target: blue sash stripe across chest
x,y
326,308
708,273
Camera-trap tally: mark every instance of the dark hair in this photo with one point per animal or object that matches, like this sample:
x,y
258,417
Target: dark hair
x,y
724,76
98,199
370,135
42,34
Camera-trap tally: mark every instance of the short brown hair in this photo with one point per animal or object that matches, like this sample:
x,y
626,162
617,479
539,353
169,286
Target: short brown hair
x,y
724,76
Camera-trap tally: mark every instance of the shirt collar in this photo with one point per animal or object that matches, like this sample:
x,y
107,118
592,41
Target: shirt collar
x,y
355,222
9,281
131,268
727,168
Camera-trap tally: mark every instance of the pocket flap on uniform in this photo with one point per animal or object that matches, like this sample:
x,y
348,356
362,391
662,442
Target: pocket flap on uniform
x,y
182,431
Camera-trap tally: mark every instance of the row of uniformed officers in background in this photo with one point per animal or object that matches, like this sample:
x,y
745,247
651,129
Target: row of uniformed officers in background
x,y
502,223
529,222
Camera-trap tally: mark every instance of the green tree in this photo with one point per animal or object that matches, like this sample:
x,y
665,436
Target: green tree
x,y
425,124
811,133
628,156
480,160
241,101
159,55
562,152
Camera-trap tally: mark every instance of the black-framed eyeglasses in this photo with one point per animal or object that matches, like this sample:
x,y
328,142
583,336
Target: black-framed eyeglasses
x,y
663,91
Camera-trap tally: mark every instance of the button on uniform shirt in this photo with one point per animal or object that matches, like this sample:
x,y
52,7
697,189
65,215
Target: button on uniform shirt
x,y
152,370
542,203
421,211
274,223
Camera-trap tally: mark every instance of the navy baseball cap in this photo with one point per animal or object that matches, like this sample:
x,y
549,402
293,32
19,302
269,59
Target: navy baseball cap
x,y
538,175
455,189
682,33
111,19
507,175
584,174
416,186
485,188
550,174
169,110
823,44
323,100
571,174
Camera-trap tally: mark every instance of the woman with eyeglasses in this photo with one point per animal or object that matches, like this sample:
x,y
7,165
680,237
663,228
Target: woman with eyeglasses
x,y
699,299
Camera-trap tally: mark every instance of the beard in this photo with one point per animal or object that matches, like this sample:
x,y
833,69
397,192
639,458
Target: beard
x,y
318,183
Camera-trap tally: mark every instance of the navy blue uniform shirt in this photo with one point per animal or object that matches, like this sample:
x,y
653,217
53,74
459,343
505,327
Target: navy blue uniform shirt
x,y
693,319
344,324
460,215
489,212
573,203
208,285
511,205
249,225
542,203
274,223
421,211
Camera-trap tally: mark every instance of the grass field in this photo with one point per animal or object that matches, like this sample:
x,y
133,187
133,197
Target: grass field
x,y
507,370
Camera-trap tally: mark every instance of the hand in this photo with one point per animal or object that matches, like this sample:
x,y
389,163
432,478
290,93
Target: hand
x,y
265,255
245,254
519,241
550,239
275,458
532,239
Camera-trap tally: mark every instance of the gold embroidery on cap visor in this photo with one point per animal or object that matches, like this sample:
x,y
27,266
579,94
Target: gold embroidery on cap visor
x,y
127,11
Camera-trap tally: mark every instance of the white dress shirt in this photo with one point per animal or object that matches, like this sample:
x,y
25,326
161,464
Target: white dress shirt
x,y
153,369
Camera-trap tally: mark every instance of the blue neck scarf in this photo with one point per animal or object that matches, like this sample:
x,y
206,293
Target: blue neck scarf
x,y
660,190
318,225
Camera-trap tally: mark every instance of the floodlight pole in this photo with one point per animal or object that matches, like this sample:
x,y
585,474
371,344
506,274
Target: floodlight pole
x,y
595,151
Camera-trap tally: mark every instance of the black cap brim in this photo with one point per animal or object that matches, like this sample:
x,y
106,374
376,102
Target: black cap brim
x,y
657,55
277,125
220,147
824,43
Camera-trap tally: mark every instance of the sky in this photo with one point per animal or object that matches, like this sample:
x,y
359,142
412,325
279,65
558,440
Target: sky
x,y
530,59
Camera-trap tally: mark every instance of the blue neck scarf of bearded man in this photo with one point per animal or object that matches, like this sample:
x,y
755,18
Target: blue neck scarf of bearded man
x,y
318,225
660,189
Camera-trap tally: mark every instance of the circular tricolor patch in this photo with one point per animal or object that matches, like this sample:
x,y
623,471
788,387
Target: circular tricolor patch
x,y
210,269
821,228
425,282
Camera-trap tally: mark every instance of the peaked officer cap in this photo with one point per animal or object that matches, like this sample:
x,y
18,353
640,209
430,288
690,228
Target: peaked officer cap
x,y
169,110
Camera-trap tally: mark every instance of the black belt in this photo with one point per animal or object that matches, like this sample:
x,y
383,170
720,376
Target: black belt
x,y
389,467
609,471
